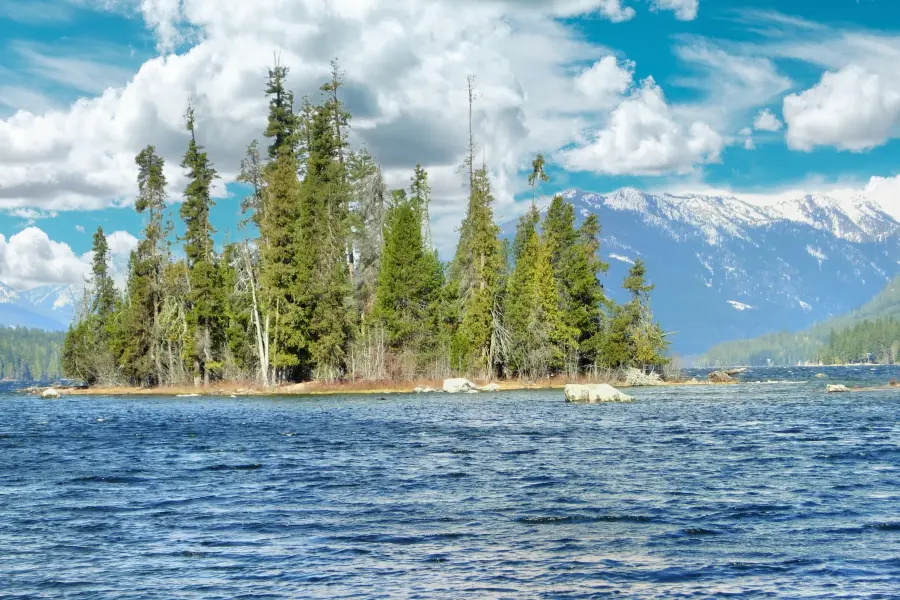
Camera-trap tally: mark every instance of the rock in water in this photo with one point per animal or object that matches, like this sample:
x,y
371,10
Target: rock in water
x,y
719,377
594,393
491,387
49,393
821,376
837,389
459,386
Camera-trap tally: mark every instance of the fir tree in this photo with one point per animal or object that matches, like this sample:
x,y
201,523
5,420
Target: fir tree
x,y
476,279
533,314
281,212
102,283
139,340
576,265
204,337
409,284
323,284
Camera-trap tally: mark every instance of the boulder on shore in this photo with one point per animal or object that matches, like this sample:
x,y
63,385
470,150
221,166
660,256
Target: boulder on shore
x,y
491,387
637,378
50,393
735,371
595,393
837,389
719,377
459,386
424,390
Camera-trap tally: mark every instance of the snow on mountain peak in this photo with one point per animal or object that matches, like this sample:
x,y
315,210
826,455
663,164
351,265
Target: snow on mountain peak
x,y
856,220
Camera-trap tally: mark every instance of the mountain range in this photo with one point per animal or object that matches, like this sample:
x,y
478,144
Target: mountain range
x,y
49,307
726,269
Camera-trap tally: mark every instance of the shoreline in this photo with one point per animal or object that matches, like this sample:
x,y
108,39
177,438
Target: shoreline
x,y
334,389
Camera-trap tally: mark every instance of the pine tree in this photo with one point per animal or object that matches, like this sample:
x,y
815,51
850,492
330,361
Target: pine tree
x,y
205,335
576,265
476,279
409,284
323,285
539,335
647,342
139,339
281,249
103,287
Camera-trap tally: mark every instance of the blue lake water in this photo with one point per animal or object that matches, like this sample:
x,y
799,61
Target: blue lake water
x,y
760,490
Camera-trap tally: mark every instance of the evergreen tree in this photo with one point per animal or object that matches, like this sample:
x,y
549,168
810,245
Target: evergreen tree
x,y
409,286
281,247
533,317
138,344
576,265
647,342
476,278
102,283
323,284
205,335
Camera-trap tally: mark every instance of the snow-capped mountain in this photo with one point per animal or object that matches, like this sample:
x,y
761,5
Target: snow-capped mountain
x,y
49,307
725,268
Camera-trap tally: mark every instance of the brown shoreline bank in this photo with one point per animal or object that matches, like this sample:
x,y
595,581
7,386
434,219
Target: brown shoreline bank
x,y
330,389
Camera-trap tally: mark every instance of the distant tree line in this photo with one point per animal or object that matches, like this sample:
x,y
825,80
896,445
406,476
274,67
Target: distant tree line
x,y
30,354
340,279
867,341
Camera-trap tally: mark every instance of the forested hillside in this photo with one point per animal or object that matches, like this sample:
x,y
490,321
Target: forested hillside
x,y
338,278
29,354
810,345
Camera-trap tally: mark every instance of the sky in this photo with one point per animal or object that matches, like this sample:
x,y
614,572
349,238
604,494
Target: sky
x,y
763,99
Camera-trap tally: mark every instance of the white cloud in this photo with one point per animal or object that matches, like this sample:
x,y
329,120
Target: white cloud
x,y
851,109
30,258
405,62
645,137
79,228
766,121
685,10
605,80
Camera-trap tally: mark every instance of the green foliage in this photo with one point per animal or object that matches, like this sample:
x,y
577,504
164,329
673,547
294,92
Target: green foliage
x,y
539,336
205,325
476,277
409,287
30,354
866,341
344,281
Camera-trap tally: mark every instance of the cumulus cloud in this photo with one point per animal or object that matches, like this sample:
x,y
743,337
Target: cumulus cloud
x,y
685,10
30,259
851,109
605,80
766,121
645,137
539,85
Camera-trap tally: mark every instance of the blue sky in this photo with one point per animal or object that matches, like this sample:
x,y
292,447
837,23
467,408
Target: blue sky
x,y
759,98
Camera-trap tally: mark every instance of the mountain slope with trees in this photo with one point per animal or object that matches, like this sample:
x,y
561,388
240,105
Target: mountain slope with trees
x,y
828,341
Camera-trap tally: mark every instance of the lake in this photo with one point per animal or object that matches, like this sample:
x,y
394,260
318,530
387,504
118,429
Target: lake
x,y
764,489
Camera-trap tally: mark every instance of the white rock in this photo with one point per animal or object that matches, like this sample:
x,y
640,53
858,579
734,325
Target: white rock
x,y
594,393
491,387
459,386
837,389
50,393
637,378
